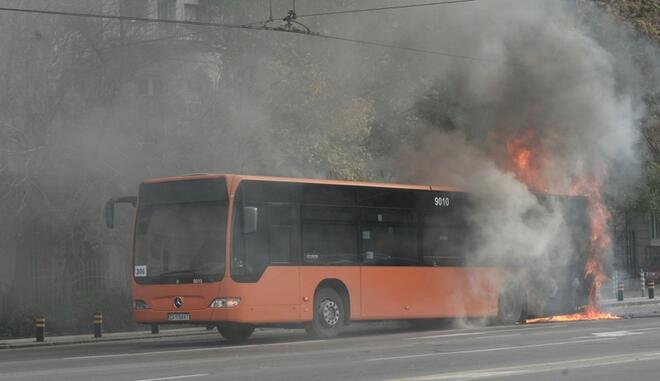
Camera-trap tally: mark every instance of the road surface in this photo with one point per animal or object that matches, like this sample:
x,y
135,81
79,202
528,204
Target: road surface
x,y
607,350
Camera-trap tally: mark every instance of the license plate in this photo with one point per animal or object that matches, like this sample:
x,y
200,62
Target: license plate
x,y
178,317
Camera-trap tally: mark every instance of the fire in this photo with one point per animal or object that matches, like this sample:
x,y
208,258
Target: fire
x,y
529,158
588,314
600,239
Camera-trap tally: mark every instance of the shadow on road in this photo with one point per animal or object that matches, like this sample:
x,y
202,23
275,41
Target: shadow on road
x,y
277,336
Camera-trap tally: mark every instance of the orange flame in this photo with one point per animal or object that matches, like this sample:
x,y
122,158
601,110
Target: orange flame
x,y
529,159
588,314
600,239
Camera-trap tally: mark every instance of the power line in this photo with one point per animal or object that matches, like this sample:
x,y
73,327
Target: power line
x,y
384,45
265,28
127,18
166,38
398,47
270,19
384,8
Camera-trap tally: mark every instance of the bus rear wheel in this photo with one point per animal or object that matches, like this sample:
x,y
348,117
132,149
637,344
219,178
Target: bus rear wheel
x,y
329,314
235,331
512,305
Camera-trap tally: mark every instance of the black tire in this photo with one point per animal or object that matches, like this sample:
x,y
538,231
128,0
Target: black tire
x,y
329,312
235,332
512,305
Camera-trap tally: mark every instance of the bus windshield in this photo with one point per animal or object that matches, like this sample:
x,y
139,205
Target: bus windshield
x,y
180,234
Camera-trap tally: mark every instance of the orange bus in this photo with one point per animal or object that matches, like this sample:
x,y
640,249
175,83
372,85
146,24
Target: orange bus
x,y
240,252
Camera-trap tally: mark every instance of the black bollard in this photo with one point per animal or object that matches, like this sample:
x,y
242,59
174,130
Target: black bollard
x,y
619,291
40,325
651,288
98,324
155,329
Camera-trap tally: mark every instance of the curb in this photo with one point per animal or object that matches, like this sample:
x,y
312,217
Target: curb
x,y
91,339
630,304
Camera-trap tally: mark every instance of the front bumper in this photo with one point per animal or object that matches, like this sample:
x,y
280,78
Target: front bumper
x,y
148,316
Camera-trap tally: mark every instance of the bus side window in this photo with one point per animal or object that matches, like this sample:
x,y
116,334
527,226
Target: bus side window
x,y
445,236
329,235
282,233
250,251
277,237
389,237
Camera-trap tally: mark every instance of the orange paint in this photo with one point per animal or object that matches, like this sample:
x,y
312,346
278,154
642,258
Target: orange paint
x,y
284,294
196,299
374,293
428,292
311,276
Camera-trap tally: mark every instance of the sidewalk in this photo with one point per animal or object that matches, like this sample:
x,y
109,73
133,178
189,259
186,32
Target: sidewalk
x,y
115,336
632,306
630,301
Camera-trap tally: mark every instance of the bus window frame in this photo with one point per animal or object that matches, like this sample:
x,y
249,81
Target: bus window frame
x,y
420,202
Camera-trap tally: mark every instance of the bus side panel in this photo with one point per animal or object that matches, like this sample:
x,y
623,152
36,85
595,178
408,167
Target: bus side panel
x,y
311,276
274,298
428,292
386,291
455,292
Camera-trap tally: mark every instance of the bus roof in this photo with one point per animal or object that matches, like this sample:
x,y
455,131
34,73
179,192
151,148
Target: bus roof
x,y
237,178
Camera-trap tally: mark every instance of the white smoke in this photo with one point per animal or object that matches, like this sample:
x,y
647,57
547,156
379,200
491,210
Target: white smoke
x,y
569,88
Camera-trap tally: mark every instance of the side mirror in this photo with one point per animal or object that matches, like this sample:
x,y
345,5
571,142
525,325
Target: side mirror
x,y
110,208
250,219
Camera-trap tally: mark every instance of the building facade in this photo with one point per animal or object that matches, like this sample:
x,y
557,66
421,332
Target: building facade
x,y
637,245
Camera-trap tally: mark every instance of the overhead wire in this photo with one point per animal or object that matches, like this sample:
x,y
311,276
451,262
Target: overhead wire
x,y
384,8
126,18
398,47
166,38
378,9
267,28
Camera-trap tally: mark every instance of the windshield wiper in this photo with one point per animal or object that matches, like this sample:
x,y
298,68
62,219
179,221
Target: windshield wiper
x,y
185,276
192,273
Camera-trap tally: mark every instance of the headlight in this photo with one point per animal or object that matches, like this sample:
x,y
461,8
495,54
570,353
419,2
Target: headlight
x,y
225,302
140,305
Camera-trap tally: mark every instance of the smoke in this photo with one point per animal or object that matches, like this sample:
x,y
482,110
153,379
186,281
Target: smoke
x,y
556,102
553,81
84,117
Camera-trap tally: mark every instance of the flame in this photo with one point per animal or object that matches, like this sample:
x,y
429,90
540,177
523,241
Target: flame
x,y
528,160
600,239
587,314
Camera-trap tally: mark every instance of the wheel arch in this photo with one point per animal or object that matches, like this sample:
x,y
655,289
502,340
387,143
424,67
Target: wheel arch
x,y
342,290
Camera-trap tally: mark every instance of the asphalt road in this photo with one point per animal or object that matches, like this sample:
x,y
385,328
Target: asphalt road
x,y
606,350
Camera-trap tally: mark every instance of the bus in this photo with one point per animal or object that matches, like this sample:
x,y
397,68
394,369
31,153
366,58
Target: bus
x,y
240,252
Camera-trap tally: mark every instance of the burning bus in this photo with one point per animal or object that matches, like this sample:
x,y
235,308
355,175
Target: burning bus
x,y
240,252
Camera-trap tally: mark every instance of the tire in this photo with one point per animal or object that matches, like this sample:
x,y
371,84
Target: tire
x,y
329,312
235,332
512,305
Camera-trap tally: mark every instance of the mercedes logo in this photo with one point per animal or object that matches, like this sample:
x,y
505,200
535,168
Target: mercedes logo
x,y
178,302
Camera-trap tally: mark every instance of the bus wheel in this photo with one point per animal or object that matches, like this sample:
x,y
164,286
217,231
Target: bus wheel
x,y
235,331
328,314
512,305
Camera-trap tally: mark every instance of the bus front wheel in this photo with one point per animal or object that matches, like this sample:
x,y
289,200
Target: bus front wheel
x,y
329,314
235,331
